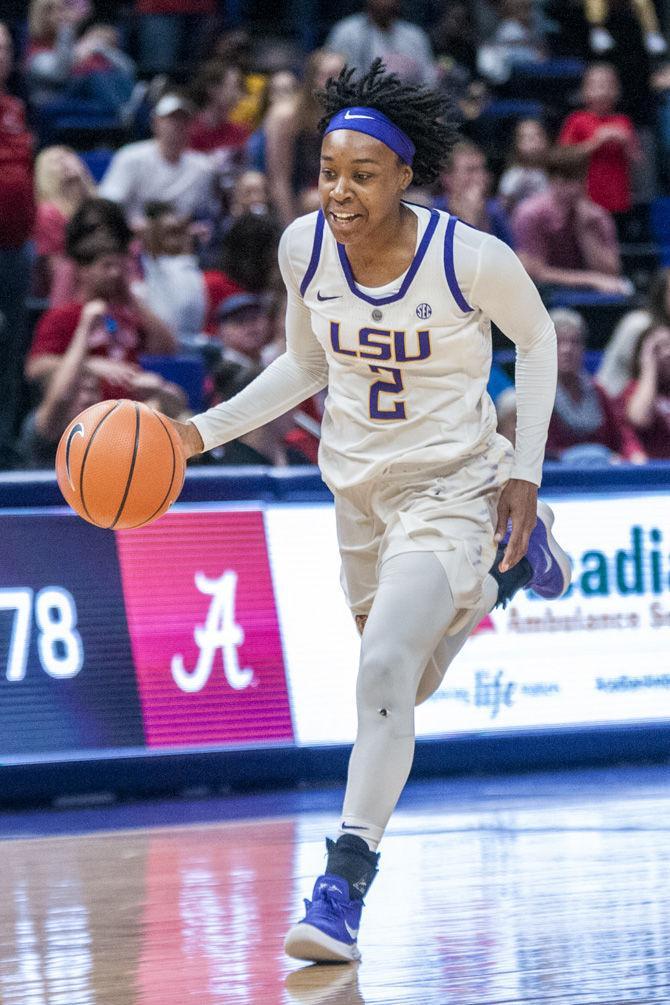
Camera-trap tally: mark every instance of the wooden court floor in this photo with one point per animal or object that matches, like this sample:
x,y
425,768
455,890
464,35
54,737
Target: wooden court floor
x,y
551,888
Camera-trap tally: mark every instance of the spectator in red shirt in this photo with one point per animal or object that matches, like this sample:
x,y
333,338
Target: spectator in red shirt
x,y
16,221
647,398
118,326
603,139
563,238
73,386
584,415
16,158
217,90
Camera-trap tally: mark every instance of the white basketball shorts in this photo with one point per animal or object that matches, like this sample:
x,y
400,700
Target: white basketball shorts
x,y
451,511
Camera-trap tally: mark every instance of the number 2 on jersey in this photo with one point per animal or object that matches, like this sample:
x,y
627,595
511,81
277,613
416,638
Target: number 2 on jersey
x,y
379,387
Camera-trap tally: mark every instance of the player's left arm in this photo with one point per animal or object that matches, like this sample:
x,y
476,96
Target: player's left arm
x,y
504,292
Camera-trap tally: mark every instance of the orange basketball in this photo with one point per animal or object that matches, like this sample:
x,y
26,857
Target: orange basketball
x,y
120,464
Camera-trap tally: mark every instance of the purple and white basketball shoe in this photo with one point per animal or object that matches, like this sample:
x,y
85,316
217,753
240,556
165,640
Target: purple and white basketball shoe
x,y
545,569
552,569
329,931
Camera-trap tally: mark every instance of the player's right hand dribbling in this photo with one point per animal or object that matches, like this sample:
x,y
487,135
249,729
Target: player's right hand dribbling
x,y
191,440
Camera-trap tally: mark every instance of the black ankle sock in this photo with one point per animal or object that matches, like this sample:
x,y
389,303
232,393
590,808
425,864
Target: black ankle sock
x,y
350,858
511,581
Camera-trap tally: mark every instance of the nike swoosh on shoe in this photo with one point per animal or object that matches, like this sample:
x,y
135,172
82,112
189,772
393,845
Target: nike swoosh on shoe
x,y
548,560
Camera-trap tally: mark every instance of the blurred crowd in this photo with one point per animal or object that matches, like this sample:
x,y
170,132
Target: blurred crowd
x,y
152,152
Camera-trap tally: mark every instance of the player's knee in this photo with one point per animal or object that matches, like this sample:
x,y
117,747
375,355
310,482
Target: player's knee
x,y
384,681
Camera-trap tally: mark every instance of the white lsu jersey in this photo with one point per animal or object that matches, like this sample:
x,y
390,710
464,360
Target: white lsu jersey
x,y
408,364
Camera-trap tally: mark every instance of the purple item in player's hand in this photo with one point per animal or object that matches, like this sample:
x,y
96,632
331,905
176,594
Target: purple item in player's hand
x,y
552,569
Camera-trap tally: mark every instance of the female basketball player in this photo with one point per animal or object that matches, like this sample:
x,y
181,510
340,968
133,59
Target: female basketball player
x,y
389,306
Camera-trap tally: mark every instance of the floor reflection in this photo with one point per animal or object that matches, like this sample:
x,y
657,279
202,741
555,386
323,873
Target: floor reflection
x,y
214,915
527,895
324,985
70,921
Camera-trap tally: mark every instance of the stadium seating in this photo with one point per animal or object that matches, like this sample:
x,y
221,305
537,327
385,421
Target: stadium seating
x,y
97,160
660,226
186,371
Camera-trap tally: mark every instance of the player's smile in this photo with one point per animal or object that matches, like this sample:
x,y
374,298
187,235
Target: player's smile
x,y
342,221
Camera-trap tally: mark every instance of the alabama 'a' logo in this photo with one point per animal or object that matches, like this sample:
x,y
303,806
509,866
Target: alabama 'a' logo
x,y
220,631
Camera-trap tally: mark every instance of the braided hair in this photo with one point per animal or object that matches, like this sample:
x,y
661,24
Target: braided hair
x,y
424,115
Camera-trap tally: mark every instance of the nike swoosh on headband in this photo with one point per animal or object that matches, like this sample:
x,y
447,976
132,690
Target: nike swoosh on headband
x,y
374,123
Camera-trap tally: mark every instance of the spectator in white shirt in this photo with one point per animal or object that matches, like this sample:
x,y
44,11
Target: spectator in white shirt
x,y
172,284
162,169
379,31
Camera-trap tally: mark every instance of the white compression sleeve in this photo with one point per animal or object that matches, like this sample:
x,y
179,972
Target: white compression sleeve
x,y
410,615
502,289
300,372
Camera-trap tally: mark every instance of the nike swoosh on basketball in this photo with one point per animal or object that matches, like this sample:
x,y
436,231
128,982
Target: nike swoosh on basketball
x,y
337,296
348,115
77,430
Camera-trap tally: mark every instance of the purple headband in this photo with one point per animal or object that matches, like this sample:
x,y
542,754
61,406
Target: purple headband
x,y
374,123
